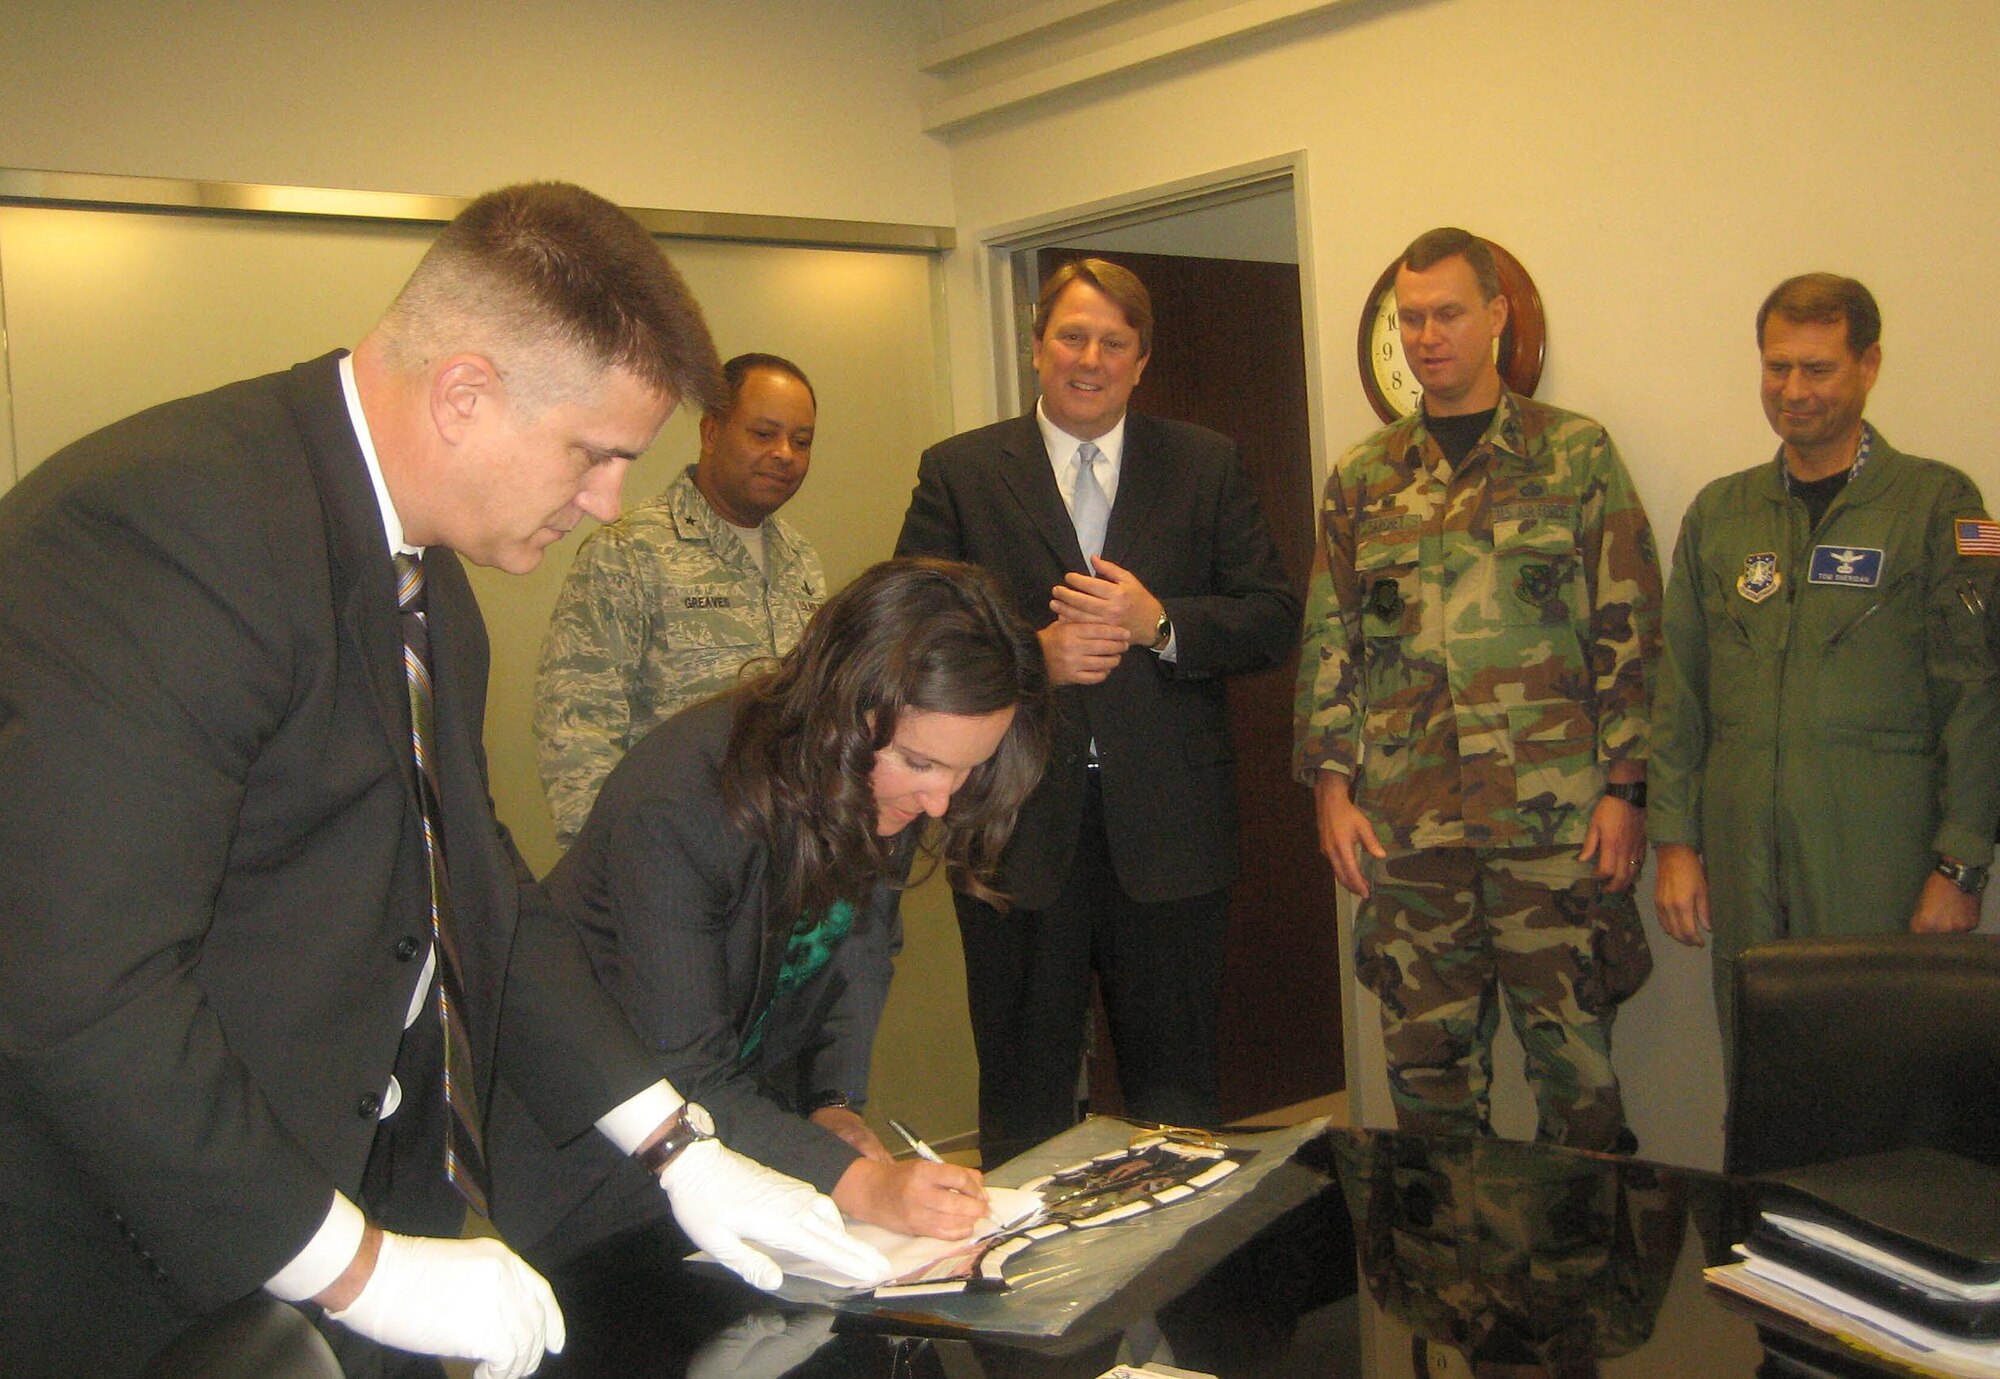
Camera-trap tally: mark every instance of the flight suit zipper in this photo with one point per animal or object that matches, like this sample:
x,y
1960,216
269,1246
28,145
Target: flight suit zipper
x,y
1793,508
1865,614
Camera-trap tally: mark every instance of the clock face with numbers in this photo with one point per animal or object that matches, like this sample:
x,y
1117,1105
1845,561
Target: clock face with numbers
x,y
1385,373
1386,376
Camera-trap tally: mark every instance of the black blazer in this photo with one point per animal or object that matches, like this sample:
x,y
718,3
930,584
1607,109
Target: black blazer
x,y
215,890
675,908
1188,525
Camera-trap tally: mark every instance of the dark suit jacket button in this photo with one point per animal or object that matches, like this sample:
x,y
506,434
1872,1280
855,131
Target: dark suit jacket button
x,y
406,948
369,1105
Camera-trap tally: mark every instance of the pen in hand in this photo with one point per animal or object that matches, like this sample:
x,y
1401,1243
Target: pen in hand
x,y
929,1155
917,1146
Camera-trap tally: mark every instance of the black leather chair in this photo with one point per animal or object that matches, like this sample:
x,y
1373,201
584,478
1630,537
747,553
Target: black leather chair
x,y
1849,1046
256,1337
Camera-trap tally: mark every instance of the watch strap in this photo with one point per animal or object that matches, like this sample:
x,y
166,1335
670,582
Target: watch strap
x,y
1969,877
687,1126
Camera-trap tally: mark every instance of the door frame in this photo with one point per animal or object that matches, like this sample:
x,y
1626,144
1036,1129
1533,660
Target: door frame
x,y
1009,272
1009,251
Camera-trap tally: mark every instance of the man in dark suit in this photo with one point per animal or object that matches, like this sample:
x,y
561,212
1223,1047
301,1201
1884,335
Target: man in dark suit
x,y
1137,547
248,930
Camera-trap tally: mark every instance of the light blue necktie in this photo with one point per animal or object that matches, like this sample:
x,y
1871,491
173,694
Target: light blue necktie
x,y
1089,509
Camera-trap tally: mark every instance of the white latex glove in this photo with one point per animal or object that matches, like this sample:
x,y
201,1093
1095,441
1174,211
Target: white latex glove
x,y
465,1299
724,1201
764,1345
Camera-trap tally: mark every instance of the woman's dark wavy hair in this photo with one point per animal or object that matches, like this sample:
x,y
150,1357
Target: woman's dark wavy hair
x,y
907,635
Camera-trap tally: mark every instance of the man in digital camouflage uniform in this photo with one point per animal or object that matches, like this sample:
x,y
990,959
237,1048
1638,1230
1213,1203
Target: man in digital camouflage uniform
x,y
664,606
1472,717
1829,706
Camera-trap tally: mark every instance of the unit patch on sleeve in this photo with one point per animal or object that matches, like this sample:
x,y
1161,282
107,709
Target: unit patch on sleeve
x,y
1859,567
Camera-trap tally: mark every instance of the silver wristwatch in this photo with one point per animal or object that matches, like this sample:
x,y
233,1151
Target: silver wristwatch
x,y
1969,877
687,1126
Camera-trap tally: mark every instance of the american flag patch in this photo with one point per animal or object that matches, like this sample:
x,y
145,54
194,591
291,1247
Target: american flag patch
x,y
1978,536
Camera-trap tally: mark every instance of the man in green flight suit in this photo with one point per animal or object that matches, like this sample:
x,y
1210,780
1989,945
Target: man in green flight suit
x,y
1472,716
1824,731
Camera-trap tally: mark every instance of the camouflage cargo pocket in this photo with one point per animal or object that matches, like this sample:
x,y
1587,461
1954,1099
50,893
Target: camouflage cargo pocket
x,y
1555,759
1624,959
1389,583
1536,570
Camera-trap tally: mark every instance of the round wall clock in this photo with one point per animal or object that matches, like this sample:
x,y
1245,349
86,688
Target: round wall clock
x,y
1386,376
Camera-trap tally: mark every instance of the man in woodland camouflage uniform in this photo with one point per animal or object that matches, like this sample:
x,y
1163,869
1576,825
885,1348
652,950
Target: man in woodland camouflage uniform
x,y
665,606
1472,716
1527,1263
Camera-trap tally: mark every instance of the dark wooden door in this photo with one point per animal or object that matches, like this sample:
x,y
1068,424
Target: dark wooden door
x,y
1229,354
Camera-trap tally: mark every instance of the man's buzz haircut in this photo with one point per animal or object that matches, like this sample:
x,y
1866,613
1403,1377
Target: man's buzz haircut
x,y
556,285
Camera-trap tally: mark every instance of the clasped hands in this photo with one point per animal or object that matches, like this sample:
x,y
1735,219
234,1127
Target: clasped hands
x,y
1097,618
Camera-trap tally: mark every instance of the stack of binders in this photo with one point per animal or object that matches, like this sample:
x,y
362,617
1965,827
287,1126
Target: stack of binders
x,y
1896,1253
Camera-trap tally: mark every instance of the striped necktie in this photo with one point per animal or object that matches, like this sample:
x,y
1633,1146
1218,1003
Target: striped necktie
x,y
464,1156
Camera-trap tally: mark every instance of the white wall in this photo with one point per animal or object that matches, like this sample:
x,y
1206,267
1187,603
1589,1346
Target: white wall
x,y
772,107
1657,168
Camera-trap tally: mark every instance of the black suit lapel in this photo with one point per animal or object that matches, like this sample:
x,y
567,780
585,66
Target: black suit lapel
x,y
1029,476
485,889
1143,484
459,656
364,579
774,937
482,880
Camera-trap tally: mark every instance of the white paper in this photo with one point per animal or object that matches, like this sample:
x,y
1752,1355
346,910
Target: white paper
x,y
1840,1313
1007,1209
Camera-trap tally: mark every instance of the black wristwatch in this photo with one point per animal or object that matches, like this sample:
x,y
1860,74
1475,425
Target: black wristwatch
x,y
1967,876
689,1125
831,1101
1163,632
1632,792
